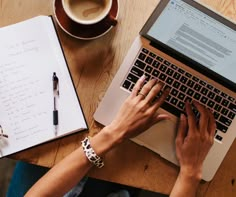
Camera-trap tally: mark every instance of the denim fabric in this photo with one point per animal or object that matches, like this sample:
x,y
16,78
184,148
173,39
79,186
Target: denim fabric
x,y
26,175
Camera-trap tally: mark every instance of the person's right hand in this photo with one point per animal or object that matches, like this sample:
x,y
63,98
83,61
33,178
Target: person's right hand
x,y
194,140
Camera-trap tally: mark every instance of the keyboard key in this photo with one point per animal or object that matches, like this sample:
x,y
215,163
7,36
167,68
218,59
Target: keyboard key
x,y
181,96
231,99
167,63
174,92
183,79
209,86
162,77
169,72
181,105
221,127
197,87
225,102
204,91
149,60
223,94
224,111
159,58
174,66
140,64
137,71
155,73
190,83
197,96
181,71
216,115
203,83
173,110
148,69
218,98
155,64
152,55
216,91
231,115
217,107
148,77
195,79
188,75
211,95
176,75
183,88
218,137
132,78
131,87
176,84
142,56
145,50
169,81
225,121
232,107
210,104
163,68
190,92
126,84
174,101
204,100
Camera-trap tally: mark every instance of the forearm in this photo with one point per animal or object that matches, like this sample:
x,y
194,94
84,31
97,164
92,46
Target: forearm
x,y
185,185
67,173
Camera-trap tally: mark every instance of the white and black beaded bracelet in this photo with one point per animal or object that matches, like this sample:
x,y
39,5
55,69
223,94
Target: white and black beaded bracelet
x,y
90,153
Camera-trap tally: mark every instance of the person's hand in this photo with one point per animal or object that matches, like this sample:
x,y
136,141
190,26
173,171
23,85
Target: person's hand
x,y
139,111
194,140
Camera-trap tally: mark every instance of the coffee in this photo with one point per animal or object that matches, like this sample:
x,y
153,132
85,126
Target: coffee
x,y
87,11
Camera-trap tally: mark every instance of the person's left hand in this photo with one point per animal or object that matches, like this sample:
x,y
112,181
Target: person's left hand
x,y
139,111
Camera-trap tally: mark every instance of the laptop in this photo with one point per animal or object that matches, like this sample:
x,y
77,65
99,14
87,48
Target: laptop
x,y
192,50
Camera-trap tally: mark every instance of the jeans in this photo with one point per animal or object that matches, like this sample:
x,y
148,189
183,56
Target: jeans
x,y
25,175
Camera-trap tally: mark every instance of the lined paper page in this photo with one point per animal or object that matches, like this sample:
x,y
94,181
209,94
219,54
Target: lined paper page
x,y
30,53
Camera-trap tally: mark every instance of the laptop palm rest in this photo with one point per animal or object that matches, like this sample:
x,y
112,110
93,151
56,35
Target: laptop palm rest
x,y
160,138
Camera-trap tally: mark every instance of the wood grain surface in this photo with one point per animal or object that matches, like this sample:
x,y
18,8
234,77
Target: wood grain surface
x,y
93,65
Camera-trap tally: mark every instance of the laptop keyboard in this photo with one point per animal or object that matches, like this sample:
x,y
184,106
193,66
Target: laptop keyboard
x,y
183,86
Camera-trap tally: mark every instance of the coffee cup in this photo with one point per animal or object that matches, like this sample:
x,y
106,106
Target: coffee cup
x,y
89,12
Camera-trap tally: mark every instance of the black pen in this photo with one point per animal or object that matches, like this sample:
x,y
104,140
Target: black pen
x,y
2,134
55,81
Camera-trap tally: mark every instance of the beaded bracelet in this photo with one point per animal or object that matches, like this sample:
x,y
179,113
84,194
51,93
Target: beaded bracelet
x,y
90,153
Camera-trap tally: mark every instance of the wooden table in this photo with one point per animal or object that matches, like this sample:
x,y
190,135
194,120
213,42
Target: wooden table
x,y
93,65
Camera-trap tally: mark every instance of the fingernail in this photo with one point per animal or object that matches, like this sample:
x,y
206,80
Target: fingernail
x,y
143,77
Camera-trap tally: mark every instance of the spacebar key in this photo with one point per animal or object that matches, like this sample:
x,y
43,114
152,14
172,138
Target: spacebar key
x,y
170,108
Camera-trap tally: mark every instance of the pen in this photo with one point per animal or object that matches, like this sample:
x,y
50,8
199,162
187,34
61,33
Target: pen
x,y
55,81
2,134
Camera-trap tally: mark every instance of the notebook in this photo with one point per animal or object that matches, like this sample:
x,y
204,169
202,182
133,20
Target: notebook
x,y
30,54
192,51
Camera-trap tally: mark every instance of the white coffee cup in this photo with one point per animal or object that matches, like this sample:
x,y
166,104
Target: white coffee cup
x,y
87,12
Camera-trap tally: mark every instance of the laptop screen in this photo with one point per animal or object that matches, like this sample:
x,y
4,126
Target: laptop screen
x,y
191,31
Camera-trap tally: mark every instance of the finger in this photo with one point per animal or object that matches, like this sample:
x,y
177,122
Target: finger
x,y
182,130
161,100
211,124
191,118
204,116
154,91
161,117
138,86
147,88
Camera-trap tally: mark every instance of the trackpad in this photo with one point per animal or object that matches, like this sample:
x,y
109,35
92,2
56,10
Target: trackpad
x,y
161,139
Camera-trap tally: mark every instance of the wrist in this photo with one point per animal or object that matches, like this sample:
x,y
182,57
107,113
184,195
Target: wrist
x,y
105,140
192,175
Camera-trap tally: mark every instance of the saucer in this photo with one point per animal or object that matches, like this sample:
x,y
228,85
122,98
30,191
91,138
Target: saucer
x,y
84,32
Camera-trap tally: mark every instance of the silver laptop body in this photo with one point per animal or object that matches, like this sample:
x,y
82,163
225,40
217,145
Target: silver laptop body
x,y
181,36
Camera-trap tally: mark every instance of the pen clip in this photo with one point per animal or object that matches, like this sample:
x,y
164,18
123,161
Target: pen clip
x,y
55,80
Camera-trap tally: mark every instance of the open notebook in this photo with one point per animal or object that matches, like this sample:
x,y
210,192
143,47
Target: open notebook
x,y
30,54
